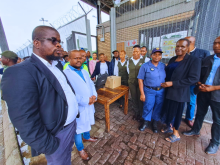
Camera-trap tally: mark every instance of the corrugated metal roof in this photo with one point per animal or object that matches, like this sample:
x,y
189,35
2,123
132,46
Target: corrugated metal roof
x,y
105,4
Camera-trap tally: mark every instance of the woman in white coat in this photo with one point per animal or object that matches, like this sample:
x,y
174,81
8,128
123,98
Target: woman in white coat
x,y
86,97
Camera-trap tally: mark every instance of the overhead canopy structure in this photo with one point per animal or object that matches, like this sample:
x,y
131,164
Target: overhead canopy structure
x,y
105,4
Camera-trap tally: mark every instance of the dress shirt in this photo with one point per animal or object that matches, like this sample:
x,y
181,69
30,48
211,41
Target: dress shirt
x,y
152,75
103,68
134,61
70,96
116,68
146,59
122,63
79,72
215,66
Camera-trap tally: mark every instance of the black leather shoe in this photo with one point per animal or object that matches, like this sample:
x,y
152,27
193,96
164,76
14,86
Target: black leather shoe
x,y
191,133
134,117
154,126
143,126
211,149
139,118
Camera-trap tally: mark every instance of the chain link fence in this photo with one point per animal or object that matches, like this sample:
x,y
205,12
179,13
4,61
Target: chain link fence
x,y
72,28
161,23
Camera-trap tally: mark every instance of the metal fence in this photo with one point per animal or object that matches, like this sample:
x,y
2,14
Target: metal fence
x,y
74,30
160,23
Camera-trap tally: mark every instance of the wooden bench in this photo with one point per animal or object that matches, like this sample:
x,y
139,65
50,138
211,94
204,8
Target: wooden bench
x,y
106,96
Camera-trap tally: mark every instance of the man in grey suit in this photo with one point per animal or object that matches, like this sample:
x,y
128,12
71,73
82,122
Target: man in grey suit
x,y
41,103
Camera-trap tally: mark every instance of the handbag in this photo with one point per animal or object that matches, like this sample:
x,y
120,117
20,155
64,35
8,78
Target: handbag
x,y
101,80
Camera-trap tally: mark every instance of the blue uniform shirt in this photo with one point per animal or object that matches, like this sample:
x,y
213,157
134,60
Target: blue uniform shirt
x,y
153,76
215,66
79,72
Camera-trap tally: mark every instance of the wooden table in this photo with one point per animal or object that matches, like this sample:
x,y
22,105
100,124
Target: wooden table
x,y
106,96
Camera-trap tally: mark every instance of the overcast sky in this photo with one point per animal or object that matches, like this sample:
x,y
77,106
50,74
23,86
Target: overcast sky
x,y
20,17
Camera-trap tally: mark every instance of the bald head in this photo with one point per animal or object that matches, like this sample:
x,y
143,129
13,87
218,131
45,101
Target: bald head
x,y
218,37
41,31
75,59
72,53
192,41
83,54
216,46
46,43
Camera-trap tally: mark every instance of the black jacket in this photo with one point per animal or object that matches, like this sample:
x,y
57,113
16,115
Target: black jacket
x,y
200,53
205,71
186,73
97,69
59,65
112,66
37,104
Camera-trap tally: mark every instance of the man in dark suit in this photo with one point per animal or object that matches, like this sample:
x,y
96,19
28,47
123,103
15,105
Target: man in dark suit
x,y
41,103
201,54
114,63
209,95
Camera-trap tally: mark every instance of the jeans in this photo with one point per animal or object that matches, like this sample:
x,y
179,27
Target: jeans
x,y
153,104
203,102
191,105
78,140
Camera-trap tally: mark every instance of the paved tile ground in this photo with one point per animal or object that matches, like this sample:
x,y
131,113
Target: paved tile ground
x,y
2,152
124,144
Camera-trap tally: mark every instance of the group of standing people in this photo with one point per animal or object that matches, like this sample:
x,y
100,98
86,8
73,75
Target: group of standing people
x,y
52,108
160,92
164,90
51,95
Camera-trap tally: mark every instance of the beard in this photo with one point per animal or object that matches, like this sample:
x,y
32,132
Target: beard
x,y
53,57
77,67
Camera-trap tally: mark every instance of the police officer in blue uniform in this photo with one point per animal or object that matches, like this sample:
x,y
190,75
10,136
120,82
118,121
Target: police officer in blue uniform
x,y
150,77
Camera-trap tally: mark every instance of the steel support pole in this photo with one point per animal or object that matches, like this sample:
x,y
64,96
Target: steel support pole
x,y
3,40
88,35
88,31
113,29
98,12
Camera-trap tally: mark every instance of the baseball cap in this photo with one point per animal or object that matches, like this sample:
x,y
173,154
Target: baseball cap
x,y
9,54
157,50
115,51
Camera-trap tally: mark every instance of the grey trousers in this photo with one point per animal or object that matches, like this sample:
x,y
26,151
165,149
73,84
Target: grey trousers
x,y
62,156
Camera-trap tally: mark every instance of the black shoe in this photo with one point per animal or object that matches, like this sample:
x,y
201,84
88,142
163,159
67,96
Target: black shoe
x,y
137,118
211,149
191,133
134,117
154,126
143,126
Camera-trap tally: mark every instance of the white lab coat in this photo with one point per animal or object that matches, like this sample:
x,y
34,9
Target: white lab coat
x,y
83,90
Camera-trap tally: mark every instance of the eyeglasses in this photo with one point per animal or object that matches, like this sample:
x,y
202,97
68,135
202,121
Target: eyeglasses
x,y
52,39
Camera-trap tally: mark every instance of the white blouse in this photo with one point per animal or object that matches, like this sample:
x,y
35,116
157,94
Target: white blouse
x,y
103,68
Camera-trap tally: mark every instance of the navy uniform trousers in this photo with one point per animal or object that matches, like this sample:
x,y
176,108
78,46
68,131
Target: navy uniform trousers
x,y
153,104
